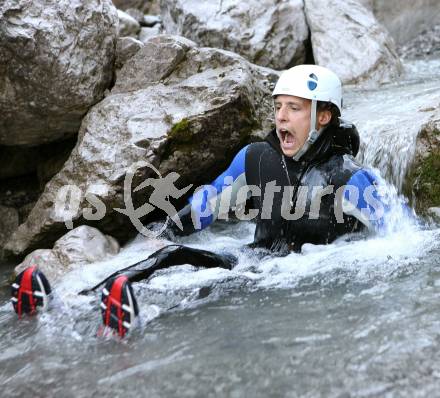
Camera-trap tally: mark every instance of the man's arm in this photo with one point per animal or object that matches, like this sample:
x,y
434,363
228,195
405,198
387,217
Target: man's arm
x,y
371,200
212,199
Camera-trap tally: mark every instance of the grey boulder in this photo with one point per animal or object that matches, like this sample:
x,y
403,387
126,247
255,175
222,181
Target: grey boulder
x,y
181,108
406,19
267,32
126,47
347,38
82,245
60,58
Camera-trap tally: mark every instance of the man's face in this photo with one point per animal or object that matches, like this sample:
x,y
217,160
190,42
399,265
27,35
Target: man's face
x,y
292,121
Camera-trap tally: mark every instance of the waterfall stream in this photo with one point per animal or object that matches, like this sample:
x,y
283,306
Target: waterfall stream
x,y
389,118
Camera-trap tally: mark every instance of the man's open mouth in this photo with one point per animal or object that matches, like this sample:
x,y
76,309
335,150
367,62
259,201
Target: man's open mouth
x,y
287,138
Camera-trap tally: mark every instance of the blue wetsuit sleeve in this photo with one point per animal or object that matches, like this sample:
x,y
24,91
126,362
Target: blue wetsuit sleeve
x,y
362,199
202,213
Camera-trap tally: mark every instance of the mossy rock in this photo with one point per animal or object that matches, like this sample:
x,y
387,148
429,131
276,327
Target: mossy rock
x,y
422,184
181,131
211,132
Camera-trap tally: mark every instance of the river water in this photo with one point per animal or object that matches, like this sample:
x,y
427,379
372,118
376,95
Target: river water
x,y
389,118
357,318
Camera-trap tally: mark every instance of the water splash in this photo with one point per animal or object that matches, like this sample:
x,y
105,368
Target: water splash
x,y
389,118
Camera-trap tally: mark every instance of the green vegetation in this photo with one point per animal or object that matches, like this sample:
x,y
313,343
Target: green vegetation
x,y
181,131
424,177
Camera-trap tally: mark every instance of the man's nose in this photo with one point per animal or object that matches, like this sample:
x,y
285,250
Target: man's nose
x,y
281,114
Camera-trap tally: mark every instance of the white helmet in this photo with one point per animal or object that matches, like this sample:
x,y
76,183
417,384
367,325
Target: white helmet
x,y
312,82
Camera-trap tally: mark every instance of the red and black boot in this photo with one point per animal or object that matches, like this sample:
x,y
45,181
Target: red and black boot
x,y
30,290
118,305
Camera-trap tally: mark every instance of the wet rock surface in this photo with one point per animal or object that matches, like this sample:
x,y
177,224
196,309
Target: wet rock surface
x,y
425,45
60,56
347,38
406,19
423,180
434,212
82,245
175,111
390,118
268,33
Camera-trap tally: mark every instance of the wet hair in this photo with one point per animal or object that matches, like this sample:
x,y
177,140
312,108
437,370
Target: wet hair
x,y
329,106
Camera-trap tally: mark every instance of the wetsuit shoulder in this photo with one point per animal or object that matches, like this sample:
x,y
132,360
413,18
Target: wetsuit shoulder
x,y
340,168
256,149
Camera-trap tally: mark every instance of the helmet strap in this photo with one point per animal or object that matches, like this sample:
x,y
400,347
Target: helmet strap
x,y
313,133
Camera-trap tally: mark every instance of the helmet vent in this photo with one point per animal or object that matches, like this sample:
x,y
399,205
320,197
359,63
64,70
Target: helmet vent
x,y
312,84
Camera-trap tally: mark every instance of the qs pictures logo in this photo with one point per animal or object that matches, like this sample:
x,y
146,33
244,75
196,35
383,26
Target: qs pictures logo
x,y
69,204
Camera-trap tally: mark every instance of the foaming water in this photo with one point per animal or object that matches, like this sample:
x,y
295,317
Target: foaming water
x,y
245,331
363,259
389,118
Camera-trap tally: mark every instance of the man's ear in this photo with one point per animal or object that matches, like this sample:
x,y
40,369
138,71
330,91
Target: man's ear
x,y
324,117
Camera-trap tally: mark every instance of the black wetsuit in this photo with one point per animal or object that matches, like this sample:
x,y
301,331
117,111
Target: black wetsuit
x,y
329,162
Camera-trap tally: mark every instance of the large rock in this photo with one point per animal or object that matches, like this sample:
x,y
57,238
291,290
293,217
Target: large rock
x,y
267,32
126,47
60,58
182,108
347,38
405,19
425,45
47,261
423,180
83,245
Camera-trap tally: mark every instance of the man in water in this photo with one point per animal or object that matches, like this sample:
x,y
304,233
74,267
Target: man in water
x,y
303,178
303,182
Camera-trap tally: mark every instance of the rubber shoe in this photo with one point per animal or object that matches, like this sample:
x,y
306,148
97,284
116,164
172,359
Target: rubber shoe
x,y
119,308
30,290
